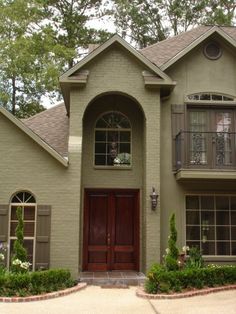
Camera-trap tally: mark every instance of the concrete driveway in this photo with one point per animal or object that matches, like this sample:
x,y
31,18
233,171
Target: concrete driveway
x,y
94,300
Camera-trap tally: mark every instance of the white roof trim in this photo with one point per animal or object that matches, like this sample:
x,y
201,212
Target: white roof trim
x,y
34,136
214,29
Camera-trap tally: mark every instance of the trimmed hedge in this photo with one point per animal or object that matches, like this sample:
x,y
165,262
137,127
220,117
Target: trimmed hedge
x,y
33,283
162,281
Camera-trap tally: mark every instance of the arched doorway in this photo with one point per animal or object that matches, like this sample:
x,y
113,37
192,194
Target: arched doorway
x,y
112,181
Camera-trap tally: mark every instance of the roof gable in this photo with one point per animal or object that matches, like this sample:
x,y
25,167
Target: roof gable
x,y
66,77
33,136
169,51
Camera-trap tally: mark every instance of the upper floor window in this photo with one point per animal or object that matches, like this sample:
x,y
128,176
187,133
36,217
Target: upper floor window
x,y
27,203
112,140
210,97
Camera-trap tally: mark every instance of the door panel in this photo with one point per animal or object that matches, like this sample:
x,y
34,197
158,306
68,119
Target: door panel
x,y
111,230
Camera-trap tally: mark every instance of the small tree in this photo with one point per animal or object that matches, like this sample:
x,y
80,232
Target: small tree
x,y
19,252
171,258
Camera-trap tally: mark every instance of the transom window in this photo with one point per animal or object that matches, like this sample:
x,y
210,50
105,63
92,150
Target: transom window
x,y
210,97
27,202
211,223
113,140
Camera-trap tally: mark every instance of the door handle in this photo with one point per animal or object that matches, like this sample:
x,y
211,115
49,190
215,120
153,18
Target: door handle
x,y
108,239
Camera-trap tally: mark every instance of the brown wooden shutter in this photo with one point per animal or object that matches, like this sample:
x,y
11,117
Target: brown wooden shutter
x,y
42,251
177,125
4,210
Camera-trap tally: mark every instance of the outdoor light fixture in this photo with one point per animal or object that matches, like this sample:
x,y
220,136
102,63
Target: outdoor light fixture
x,y
154,198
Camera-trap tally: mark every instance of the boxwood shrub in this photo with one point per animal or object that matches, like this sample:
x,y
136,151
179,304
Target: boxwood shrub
x,y
33,283
160,280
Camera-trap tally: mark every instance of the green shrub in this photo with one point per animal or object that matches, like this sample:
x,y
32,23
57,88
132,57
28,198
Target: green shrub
x,y
161,280
33,283
19,252
195,259
171,258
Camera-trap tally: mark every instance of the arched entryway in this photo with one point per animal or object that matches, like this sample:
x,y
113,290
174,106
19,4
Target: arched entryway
x,y
112,183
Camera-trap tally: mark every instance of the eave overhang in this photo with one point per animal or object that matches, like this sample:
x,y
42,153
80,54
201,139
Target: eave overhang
x,y
34,136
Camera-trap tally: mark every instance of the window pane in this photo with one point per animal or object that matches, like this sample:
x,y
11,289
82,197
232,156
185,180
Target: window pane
x,y
125,148
192,233
205,97
233,233
222,218
233,203
216,97
208,248
223,248
125,136
222,233
192,202
29,244
13,213
100,136
29,229
233,248
208,217
29,213
113,136
233,218
193,244
208,233
100,148
207,202
100,159
222,203
193,217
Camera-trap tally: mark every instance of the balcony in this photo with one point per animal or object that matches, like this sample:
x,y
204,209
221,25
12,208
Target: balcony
x,y
205,155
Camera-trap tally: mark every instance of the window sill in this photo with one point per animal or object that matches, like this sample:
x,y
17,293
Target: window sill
x,y
117,167
219,258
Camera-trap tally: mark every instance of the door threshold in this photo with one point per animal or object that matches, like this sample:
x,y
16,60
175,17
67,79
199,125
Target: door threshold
x,y
113,278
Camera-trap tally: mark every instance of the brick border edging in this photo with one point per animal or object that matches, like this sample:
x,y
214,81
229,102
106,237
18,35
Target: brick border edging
x,y
142,294
45,296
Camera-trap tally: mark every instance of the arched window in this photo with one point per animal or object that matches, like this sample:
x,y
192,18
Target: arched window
x,y
210,97
112,140
27,202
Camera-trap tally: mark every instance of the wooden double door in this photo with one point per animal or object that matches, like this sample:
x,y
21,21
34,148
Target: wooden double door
x,y
111,230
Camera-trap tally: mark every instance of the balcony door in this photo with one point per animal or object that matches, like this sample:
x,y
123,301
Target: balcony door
x,y
211,138
111,230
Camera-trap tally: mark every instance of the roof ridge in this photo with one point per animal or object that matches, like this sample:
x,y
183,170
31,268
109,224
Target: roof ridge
x,y
174,37
42,112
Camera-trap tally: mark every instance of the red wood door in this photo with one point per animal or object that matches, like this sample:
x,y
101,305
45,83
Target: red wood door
x,y
111,230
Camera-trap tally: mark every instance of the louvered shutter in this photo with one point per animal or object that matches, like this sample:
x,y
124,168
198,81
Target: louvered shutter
x,y
42,253
4,210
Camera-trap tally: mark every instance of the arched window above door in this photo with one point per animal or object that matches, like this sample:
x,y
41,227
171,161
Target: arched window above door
x,y
112,140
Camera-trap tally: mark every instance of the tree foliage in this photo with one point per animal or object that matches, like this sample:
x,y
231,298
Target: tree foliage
x,y
39,39
145,22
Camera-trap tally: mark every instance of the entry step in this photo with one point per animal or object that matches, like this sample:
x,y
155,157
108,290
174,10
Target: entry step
x,y
113,278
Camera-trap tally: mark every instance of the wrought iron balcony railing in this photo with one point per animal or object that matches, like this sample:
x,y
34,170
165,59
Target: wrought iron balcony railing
x,y
210,150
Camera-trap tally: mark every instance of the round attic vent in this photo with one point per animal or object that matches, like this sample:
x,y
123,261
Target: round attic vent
x,y
212,50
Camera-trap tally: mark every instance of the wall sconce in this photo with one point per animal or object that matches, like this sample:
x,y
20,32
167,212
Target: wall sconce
x,y
154,198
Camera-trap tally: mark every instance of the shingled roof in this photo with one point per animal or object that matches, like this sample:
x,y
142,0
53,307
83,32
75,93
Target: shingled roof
x,y
52,126
162,52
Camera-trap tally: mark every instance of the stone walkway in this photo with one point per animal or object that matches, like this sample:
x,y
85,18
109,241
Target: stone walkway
x,y
95,300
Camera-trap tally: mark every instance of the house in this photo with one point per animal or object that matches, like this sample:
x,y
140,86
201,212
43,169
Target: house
x,y
134,127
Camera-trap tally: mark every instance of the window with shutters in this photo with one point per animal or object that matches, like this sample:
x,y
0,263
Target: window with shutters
x,y
28,204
